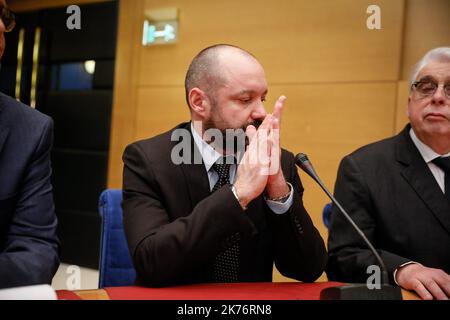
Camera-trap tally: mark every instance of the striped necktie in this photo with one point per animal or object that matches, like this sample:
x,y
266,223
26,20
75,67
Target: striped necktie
x,y
226,263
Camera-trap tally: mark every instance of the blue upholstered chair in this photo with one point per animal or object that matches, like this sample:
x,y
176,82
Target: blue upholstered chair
x,y
326,215
116,267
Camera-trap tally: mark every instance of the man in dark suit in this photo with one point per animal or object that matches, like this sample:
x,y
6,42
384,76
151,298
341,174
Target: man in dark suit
x,y
28,242
398,192
206,219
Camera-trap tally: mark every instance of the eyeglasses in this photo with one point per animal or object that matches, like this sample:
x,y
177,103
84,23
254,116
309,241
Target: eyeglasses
x,y
8,18
426,88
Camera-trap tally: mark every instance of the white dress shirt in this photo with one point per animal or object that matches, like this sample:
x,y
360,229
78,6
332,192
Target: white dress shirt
x,y
429,155
210,156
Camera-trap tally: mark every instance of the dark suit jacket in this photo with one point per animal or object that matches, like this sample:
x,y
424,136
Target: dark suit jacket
x,y
390,192
175,227
28,242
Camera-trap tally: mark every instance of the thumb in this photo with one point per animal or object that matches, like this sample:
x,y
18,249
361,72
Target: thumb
x,y
250,132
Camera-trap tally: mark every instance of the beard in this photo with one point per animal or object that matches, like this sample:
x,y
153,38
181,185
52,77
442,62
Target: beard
x,y
224,138
228,139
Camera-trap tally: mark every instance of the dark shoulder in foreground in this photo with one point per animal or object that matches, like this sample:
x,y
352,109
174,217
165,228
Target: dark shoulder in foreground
x,y
379,149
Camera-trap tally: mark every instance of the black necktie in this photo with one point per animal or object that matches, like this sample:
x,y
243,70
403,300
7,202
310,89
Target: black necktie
x,y
226,263
444,164
223,171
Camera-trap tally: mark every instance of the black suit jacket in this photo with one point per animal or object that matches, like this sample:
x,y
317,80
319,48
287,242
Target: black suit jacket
x,y
394,198
28,241
175,227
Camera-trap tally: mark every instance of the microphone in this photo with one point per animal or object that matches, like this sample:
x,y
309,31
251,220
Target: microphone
x,y
358,291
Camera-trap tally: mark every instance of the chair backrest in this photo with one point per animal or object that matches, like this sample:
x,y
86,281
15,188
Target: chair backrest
x,y
116,266
326,215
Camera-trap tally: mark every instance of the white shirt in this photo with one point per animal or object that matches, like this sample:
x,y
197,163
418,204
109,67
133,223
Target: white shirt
x,y
210,156
429,155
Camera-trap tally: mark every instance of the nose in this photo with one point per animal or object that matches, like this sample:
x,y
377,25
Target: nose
x,y
2,25
259,111
438,97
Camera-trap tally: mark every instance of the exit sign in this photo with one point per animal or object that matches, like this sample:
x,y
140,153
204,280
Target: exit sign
x,y
161,32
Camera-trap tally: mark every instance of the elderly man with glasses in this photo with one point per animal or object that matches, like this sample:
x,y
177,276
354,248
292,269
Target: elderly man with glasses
x,y
398,191
28,242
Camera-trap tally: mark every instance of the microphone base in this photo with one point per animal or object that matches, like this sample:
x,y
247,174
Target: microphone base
x,y
361,292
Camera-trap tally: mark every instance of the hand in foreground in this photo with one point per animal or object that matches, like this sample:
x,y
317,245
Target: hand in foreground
x,y
428,283
252,171
276,183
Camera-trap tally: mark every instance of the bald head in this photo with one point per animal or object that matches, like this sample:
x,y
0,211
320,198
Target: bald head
x,y
205,71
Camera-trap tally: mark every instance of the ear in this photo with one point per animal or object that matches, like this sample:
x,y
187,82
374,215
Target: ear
x,y
408,107
198,102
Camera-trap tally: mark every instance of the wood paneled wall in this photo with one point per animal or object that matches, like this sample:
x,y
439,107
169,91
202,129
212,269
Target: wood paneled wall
x,y
320,54
339,77
427,25
345,84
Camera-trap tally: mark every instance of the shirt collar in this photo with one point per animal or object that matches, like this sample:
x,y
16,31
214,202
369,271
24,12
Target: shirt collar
x,y
427,153
209,155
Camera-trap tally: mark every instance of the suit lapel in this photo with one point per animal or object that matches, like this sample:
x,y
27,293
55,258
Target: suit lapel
x,y
4,130
419,176
195,174
3,134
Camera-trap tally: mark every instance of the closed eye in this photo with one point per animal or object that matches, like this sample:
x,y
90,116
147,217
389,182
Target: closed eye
x,y
245,100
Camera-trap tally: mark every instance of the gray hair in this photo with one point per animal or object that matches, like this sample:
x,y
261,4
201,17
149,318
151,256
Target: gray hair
x,y
441,54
